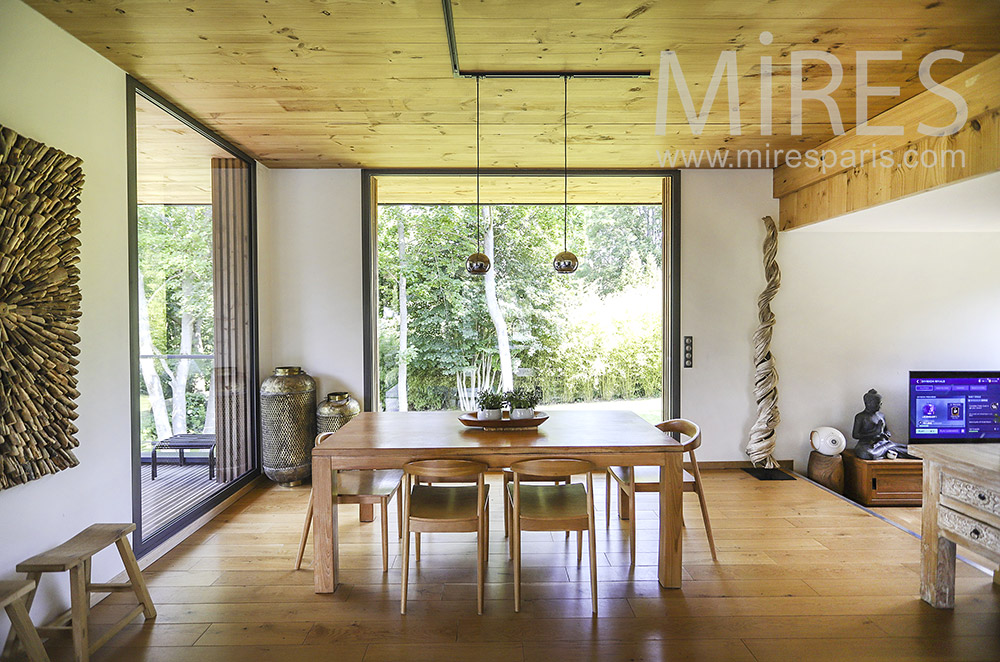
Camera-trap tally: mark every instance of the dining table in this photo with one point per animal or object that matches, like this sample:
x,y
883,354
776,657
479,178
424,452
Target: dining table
x,y
389,440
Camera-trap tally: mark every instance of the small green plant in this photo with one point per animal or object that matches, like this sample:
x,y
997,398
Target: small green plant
x,y
487,399
521,398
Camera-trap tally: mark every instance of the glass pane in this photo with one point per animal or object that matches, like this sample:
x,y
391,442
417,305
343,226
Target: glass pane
x,y
586,340
193,317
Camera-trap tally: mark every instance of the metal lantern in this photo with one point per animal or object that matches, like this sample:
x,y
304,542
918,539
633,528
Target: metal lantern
x,y
338,408
288,425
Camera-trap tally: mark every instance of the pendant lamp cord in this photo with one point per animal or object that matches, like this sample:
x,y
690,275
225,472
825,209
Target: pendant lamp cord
x,y
479,211
565,161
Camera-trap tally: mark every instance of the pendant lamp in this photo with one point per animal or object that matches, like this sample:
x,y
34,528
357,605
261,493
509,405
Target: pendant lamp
x,y
565,262
478,263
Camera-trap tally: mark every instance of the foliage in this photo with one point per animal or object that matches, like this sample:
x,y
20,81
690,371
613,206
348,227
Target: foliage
x,y
175,261
486,399
596,334
521,398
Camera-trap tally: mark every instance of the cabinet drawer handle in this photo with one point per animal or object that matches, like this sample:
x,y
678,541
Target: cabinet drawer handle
x,y
981,496
975,534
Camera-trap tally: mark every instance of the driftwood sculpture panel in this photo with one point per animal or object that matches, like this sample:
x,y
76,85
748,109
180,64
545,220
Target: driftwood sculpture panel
x,y
39,307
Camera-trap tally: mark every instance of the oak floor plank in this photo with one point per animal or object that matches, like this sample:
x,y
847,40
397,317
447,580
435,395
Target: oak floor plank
x,y
802,575
897,649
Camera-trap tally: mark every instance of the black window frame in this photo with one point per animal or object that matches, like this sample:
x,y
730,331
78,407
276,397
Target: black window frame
x,y
369,281
144,545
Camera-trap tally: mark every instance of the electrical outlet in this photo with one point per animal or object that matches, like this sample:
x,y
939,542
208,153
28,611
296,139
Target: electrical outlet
x,y
688,351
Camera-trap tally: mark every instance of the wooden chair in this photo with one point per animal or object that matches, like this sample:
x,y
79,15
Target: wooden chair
x,y
508,478
632,480
567,507
362,487
12,594
446,508
74,556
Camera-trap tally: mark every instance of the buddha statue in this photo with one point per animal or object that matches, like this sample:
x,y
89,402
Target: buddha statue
x,y
874,438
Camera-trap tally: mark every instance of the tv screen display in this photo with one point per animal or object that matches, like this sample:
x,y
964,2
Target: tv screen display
x,y
954,406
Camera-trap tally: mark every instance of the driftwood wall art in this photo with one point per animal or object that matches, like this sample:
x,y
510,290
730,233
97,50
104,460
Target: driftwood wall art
x,y
39,307
761,445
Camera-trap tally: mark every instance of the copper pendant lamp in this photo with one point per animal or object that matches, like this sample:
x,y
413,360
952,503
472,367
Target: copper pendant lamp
x,y
478,263
565,262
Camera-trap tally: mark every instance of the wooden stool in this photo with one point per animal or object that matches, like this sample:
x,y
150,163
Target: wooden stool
x,y
11,594
75,556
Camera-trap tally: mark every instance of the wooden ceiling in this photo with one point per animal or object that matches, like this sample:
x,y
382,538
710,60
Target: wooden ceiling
x,y
368,83
521,189
173,161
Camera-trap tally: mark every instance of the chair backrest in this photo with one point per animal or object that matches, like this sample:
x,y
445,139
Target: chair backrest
x,y
432,470
552,467
685,427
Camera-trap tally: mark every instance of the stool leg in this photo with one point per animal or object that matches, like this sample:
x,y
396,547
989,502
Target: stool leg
x,y
80,610
25,629
135,578
11,645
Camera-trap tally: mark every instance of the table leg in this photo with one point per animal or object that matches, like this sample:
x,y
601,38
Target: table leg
x,y
152,464
623,502
937,554
326,554
671,502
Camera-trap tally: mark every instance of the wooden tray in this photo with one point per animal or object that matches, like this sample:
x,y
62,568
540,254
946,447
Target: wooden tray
x,y
506,423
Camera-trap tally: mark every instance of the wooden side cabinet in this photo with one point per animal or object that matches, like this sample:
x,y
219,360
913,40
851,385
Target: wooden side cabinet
x,y
883,482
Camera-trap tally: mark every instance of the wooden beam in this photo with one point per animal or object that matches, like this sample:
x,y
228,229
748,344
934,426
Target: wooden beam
x,y
892,167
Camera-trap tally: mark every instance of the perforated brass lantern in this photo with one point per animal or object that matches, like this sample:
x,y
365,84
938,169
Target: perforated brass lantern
x,y
566,262
478,264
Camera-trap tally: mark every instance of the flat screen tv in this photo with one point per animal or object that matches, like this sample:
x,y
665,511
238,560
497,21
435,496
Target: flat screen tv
x,y
954,407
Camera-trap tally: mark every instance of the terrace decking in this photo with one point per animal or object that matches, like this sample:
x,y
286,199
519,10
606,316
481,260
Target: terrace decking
x,y
177,487
802,576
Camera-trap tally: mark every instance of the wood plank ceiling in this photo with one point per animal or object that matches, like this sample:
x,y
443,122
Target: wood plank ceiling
x,y
368,83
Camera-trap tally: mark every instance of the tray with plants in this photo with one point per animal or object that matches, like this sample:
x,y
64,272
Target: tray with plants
x,y
510,410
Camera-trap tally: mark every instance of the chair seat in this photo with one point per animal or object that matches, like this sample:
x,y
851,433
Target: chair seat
x,y
508,475
429,502
77,549
542,502
646,477
380,483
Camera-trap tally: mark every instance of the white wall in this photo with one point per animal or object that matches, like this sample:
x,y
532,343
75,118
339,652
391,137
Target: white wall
x,y
722,274
859,309
311,269
58,91
311,276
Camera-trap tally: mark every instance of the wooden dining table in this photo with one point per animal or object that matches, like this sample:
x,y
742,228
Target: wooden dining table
x,y
388,440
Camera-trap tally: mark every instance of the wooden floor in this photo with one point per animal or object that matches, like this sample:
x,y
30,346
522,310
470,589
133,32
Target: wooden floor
x,y
802,576
177,488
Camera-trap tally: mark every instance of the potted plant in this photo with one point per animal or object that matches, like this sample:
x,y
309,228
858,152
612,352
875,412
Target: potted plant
x,y
490,404
522,403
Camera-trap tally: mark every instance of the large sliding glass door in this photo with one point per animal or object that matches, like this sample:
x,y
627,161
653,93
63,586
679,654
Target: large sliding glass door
x,y
593,339
194,326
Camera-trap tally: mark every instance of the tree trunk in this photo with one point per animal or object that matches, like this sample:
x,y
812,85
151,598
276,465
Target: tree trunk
x,y
148,367
179,380
403,319
493,305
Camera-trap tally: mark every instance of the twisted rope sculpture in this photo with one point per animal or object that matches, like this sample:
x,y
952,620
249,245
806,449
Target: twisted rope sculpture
x,y
761,444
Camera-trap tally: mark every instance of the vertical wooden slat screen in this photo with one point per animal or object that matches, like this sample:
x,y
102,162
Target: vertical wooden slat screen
x,y
233,359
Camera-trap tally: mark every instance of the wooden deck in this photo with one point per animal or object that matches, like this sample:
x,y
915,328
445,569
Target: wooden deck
x,y
176,489
802,576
